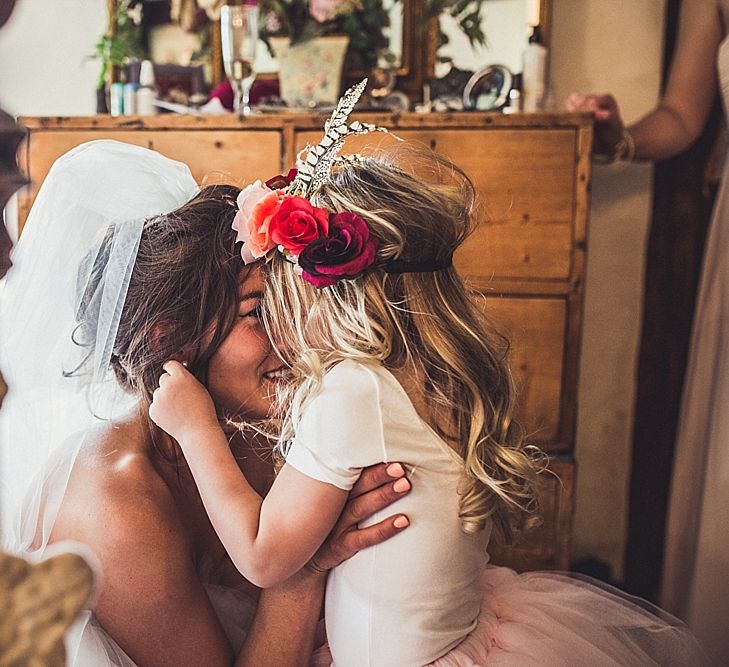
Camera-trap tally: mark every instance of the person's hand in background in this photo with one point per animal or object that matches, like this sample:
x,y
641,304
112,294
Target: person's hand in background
x,y
609,126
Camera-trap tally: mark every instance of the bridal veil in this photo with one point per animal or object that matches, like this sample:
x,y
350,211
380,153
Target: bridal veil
x,y
76,253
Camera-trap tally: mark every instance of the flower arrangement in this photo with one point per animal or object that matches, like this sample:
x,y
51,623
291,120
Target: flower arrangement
x,y
363,21
325,247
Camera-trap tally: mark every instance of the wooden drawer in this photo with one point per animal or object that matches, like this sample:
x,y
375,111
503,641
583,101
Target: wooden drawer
x,y
547,546
527,228
535,329
235,157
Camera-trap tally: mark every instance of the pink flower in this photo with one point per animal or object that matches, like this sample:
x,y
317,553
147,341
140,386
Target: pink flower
x,y
323,10
297,223
345,252
257,205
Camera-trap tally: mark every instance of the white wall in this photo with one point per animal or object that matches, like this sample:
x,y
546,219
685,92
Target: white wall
x,y
505,24
44,65
43,47
611,46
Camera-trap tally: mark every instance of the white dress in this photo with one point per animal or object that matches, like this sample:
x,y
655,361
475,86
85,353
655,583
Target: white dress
x,y
427,596
696,569
48,415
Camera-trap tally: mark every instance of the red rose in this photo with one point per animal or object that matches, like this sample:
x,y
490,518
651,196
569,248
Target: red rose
x,y
297,223
281,181
345,252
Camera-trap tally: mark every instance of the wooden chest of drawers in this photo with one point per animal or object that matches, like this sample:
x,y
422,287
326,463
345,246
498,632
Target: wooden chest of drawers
x,y
527,256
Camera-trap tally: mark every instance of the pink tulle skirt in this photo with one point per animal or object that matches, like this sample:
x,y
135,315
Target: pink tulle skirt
x,y
552,619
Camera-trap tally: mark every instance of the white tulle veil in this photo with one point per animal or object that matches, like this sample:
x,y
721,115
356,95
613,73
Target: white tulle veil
x,y
77,250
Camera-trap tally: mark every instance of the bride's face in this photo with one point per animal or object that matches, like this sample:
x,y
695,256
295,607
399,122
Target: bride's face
x,y
243,372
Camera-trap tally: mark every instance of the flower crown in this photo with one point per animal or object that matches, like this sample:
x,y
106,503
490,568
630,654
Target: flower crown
x,y
279,216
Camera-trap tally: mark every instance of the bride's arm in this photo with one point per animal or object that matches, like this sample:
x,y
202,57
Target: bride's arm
x,y
150,599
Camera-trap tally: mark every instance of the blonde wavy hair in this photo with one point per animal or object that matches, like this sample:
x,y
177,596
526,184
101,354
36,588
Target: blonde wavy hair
x,y
428,322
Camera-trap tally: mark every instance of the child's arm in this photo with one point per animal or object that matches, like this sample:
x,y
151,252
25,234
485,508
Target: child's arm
x,y
268,540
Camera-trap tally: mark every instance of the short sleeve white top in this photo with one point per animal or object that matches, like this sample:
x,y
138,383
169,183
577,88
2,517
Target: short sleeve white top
x,y
411,599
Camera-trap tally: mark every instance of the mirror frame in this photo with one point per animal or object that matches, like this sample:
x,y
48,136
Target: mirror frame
x,y
418,50
418,56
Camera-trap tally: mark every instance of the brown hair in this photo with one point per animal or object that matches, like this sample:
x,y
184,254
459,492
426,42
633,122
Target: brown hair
x,y
183,291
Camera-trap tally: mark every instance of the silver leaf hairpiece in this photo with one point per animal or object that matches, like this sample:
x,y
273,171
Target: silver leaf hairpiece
x,y
316,168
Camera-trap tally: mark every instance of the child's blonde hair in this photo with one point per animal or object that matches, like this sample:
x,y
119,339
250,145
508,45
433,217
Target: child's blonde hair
x,y
425,320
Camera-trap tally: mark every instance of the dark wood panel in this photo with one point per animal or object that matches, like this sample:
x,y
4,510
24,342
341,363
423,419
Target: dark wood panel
x,y
547,546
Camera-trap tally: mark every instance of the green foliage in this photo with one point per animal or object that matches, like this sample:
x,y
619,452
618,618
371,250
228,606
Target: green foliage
x,y
364,22
467,13
125,44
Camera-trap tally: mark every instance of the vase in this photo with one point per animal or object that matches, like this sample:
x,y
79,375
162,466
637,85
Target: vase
x,y
310,72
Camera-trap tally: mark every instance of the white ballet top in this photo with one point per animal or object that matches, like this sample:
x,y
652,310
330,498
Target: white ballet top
x,y
411,599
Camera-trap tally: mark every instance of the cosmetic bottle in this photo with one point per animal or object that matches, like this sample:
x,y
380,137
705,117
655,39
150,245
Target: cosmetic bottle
x,y
147,93
130,98
534,72
116,98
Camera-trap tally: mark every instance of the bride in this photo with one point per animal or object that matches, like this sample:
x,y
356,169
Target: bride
x,y
123,264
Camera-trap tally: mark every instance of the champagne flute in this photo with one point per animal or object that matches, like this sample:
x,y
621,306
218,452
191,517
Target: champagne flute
x,y
239,37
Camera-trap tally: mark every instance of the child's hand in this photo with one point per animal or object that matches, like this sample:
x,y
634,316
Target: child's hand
x,y
181,406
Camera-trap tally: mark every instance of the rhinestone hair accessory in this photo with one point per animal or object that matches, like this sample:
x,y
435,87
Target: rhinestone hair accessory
x,y
316,168
279,216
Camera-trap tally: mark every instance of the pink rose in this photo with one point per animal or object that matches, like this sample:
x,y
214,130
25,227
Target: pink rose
x,y
257,206
297,223
260,221
345,252
323,10
247,200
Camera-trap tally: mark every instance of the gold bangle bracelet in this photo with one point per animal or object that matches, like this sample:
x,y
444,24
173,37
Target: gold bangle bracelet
x,y
624,150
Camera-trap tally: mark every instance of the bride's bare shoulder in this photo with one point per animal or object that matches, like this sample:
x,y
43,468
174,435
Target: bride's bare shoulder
x,y
119,505
115,492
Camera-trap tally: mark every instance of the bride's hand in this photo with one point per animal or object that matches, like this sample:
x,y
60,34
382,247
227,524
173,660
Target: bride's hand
x,y
378,486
